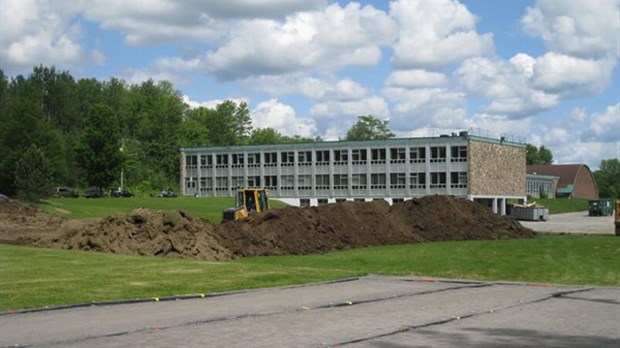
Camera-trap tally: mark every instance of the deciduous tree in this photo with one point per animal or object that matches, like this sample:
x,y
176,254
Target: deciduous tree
x,y
369,127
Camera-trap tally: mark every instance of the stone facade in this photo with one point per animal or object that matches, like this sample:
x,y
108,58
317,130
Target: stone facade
x,y
496,169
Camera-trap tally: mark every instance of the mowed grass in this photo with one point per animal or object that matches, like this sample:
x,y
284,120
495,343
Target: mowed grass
x,y
78,208
32,278
563,205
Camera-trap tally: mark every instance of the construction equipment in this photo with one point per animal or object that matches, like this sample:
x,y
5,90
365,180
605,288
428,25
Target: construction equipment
x,y
248,201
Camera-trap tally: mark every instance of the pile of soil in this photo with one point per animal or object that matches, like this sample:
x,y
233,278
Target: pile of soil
x,y
277,232
360,224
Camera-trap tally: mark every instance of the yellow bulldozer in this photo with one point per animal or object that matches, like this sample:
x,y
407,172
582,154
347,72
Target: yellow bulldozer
x,y
248,201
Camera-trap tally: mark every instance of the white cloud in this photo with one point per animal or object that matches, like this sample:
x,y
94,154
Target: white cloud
x,y
38,32
435,33
507,84
305,41
333,118
606,126
274,114
318,89
571,76
426,107
98,57
586,30
415,78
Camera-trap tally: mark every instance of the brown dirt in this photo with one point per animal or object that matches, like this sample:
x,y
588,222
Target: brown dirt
x,y
277,232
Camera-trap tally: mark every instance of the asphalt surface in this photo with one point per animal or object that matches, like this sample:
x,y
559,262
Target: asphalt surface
x,y
373,311
578,222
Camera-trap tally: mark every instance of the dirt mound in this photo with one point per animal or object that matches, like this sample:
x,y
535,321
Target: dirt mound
x,y
359,224
277,232
21,224
143,232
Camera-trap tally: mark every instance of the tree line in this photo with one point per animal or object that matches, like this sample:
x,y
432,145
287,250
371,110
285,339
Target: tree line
x,y
84,132
56,130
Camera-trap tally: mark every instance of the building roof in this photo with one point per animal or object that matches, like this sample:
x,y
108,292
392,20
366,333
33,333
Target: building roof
x,y
566,172
569,176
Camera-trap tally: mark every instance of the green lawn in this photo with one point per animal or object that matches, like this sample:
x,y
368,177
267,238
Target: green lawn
x,y
563,205
207,208
31,277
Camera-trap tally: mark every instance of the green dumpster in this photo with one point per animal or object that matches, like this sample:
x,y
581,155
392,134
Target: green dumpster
x,y
601,207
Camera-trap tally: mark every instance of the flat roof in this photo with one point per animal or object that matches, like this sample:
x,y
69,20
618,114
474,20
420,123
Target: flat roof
x,y
433,139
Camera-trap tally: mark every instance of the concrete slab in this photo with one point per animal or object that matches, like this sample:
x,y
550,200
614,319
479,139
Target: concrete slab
x,y
370,311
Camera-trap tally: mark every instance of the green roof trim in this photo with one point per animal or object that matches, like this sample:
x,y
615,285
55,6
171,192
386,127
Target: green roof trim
x,y
566,190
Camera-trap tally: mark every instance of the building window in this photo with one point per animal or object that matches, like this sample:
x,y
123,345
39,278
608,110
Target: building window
x,y
321,201
287,158
237,160
397,155
377,181
458,179
397,200
206,161
398,181
322,182
237,181
341,200
206,184
271,159
304,182
254,160
417,180
378,156
271,182
221,161
341,157
458,154
322,157
438,180
253,181
341,181
359,156
359,181
417,155
288,182
438,153
191,161
304,202
221,183
304,158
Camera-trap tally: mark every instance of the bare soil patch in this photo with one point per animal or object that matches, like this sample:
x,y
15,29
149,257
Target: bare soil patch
x,y
277,232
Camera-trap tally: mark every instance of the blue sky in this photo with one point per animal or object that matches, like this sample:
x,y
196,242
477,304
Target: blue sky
x,y
541,70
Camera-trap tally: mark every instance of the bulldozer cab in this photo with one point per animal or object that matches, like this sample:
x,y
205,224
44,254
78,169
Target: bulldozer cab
x,y
248,201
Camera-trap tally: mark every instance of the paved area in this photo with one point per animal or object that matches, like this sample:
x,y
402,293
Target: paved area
x,y
578,222
373,311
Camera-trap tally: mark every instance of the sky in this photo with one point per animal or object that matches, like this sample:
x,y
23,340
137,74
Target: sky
x,y
540,71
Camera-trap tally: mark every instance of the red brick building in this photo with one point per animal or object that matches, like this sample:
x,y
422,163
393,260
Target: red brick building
x,y
576,180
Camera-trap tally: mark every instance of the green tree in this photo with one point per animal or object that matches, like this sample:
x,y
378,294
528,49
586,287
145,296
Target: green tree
x,y
230,124
265,136
369,128
33,175
608,178
98,150
23,124
538,155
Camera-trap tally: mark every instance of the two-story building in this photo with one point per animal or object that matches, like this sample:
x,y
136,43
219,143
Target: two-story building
x,y
463,165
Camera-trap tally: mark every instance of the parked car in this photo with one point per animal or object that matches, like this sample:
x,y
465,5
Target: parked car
x,y
121,193
166,194
65,192
94,192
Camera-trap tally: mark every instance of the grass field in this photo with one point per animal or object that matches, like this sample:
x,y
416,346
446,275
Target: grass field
x,y
207,208
563,205
31,277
